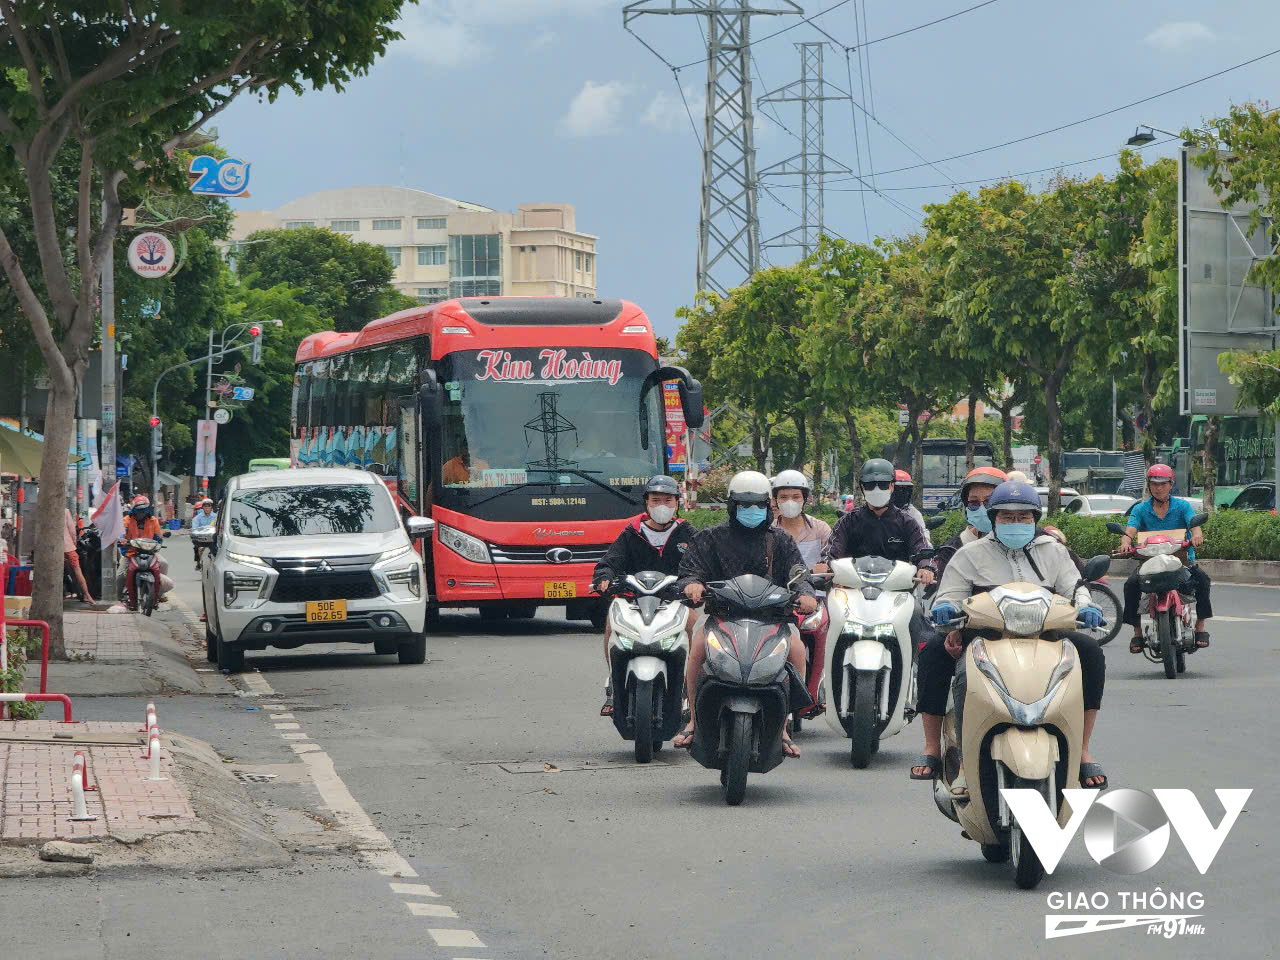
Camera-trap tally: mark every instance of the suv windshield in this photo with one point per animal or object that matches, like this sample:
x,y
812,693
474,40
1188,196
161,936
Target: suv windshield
x,y
313,510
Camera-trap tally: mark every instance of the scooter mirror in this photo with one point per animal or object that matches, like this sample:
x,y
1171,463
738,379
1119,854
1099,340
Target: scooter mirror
x,y
1096,567
1198,520
798,573
934,522
1118,528
926,554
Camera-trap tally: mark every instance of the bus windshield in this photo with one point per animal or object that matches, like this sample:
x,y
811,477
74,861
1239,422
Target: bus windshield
x,y
541,416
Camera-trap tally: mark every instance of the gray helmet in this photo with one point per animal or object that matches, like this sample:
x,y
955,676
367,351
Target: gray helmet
x,y
661,483
877,469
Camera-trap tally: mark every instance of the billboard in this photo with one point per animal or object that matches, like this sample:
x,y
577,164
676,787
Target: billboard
x,y
1218,308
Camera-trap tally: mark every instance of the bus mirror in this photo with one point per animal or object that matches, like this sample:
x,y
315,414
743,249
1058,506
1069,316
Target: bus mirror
x,y
691,401
431,398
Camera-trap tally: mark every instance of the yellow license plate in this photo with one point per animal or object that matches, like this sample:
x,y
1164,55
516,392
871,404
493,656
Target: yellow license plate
x,y
559,589
326,611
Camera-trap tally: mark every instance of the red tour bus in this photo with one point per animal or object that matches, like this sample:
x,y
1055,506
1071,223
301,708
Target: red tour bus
x,y
525,426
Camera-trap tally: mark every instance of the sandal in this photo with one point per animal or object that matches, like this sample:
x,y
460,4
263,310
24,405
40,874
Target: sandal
x,y
1136,645
789,748
686,735
1202,640
934,764
1091,769
607,709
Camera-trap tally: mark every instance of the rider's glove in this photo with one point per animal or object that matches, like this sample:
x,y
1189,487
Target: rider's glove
x,y
1090,616
944,613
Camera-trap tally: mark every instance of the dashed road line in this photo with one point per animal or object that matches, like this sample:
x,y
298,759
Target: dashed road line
x,y
431,910
413,890
454,938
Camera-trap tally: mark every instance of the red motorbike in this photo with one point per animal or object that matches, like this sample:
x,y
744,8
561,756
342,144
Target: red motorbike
x,y
1167,608
813,632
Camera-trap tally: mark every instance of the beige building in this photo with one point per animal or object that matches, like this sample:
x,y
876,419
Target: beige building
x,y
444,248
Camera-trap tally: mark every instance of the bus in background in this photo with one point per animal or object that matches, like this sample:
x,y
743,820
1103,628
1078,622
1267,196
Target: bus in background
x,y
944,467
525,427
258,464
1246,453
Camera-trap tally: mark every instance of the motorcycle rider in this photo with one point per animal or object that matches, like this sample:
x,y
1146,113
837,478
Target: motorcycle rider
x,y
204,518
903,487
979,483
745,544
1161,511
1011,552
655,540
139,525
791,490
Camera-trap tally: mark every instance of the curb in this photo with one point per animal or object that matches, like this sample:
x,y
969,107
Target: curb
x,y
1254,573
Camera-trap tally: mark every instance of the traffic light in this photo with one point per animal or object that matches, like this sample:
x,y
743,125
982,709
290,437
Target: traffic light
x,y
255,336
157,433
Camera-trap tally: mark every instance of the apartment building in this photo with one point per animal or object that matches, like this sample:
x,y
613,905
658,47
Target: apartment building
x,y
443,248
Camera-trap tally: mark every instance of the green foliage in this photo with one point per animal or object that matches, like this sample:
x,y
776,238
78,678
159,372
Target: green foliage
x,y
347,283
955,523
1241,535
22,645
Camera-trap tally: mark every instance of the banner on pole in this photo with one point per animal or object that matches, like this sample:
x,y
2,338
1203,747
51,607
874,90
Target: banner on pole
x,y
206,448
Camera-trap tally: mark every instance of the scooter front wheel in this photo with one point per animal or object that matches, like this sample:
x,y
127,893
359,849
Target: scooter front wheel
x,y
738,761
146,598
642,703
1028,871
1164,626
865,729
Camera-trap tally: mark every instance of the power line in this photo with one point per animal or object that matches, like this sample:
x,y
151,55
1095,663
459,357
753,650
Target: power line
x,y
1096,116
950,16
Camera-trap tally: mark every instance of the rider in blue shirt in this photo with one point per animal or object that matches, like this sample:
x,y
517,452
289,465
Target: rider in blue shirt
x,y
1164,512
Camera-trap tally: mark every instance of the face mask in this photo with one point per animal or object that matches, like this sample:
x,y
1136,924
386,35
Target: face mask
x,y
978,519
662,514
790,508
877,498
1015,536
751,516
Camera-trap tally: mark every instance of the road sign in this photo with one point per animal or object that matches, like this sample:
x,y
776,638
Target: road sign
x,y
221,416
1036,460
242,393
122,471
219,178
151,255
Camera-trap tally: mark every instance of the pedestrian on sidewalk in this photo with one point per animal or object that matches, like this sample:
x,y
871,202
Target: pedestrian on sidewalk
x,y
204,518
71,556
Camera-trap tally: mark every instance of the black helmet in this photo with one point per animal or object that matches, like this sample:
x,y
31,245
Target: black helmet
x,y
661,483
874,470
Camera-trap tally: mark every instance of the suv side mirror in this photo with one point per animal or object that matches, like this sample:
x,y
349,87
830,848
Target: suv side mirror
x,y
203,538
420,527
1117,528
1198,520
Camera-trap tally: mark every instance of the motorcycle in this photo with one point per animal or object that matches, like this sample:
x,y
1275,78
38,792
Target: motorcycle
x,y
811,626
1015,717
145,563
648,647
743,696
89,552
1168,614
871,663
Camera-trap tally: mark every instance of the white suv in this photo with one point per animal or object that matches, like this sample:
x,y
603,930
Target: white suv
x,y
312,556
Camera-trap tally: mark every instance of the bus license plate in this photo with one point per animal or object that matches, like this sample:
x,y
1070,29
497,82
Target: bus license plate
x,y
559,590
326,611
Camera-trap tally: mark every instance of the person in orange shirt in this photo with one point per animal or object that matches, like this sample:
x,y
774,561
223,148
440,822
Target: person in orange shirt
x,y
460,468
138,525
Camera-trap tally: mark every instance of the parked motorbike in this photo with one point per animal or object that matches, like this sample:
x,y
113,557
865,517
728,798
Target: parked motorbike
x,y
1168,608
743,696
871,663
648,647
88,551
1015,717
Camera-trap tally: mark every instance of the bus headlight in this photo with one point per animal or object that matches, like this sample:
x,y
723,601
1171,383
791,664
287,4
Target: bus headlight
x,y
463,544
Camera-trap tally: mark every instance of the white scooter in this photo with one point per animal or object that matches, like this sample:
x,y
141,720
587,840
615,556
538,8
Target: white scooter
x,y
648,648
871,669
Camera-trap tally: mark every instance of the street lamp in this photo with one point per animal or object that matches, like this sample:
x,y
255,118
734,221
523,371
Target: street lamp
x,y
1144,134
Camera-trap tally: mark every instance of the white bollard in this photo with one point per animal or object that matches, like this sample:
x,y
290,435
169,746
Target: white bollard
x,y
80,811
153,753
151,719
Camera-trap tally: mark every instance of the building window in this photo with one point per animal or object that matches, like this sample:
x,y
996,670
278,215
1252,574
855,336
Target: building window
x,y
431,223
298,224
588,258
344,226
475,288
432,294
394,254
475,256
387,224
577,259
432,256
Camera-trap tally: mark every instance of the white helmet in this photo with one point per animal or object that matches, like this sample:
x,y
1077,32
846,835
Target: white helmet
x,y
750,487
792,480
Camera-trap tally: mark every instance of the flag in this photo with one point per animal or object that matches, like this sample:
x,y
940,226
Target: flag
x,y
109,516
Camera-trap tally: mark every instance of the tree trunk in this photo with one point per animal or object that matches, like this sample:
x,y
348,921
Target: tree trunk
x,y
802,442
1054,418
1148,411
759,445
902,454
819,452
917,457
855,448
1210,461
971,430
59,428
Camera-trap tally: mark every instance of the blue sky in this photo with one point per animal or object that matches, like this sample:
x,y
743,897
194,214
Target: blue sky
x,y
510,101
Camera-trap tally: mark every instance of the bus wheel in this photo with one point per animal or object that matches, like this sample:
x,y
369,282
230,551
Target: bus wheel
x,y
490,614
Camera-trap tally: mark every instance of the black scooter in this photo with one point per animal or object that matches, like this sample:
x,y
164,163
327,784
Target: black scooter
x,y
89,550
745,692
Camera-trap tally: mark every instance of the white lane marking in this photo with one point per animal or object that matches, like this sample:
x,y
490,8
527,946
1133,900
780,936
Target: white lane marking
x,y
1271,614
183,607
279,716
301,748
454,938
431,910
413,890
295,736
349,813
257,685
288,726
1235,619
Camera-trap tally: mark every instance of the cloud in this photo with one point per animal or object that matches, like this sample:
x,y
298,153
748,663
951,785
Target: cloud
x,y
666,111
438,43
544,39
594,111
1179,35
450,33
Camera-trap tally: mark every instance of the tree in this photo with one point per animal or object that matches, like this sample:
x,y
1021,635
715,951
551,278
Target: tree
x,y
347,282
123,85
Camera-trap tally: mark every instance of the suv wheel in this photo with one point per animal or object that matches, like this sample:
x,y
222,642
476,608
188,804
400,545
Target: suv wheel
x,y
415,650
230,659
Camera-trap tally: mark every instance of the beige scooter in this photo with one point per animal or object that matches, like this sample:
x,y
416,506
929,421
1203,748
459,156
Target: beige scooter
x,y
1015,716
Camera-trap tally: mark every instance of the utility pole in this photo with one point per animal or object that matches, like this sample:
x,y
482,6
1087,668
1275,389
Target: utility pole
x,y
729,217
108,448
811,164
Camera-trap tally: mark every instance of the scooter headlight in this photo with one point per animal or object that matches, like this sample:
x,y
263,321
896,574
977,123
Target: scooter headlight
x,y
812,621
870,631
1024,613
671,641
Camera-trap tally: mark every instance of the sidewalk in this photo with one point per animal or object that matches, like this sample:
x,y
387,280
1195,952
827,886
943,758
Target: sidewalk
x,y
103,637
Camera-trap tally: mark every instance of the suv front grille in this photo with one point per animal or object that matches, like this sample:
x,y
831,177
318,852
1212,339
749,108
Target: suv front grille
x,y
301,587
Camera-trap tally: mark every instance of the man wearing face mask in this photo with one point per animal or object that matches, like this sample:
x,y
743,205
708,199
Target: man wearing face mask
x,y
903,487
1013,551
747,543
979,483
655,540
791,490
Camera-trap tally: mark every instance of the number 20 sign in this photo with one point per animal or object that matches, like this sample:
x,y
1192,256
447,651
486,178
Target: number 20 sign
x,y
219,178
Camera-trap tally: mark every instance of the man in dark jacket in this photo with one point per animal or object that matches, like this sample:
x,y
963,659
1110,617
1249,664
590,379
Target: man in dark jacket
x,y
655,540
747,543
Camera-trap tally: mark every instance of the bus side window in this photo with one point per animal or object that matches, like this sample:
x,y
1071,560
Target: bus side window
x,y
338,368
375,398
302,397
319,394
357,385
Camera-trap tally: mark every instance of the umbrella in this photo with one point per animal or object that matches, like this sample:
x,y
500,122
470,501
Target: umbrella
x,y
20,454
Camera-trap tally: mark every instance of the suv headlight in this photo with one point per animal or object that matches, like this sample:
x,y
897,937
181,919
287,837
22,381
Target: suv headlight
x,y
463,544
234,584
408,576
248,558
394,553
